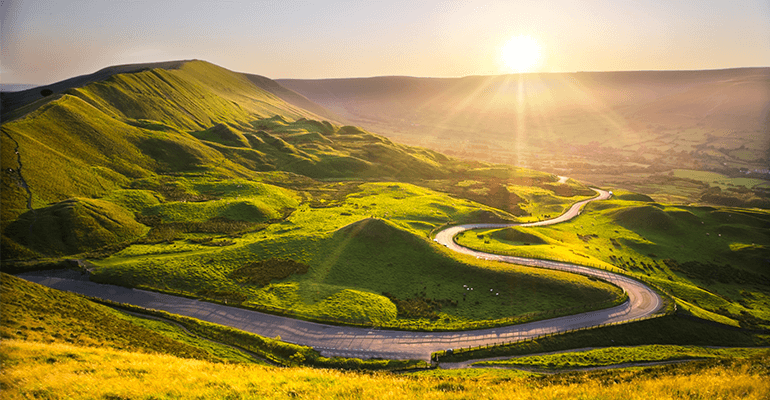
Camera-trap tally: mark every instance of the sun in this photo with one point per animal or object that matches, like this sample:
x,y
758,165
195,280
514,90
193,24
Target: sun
x,y
521,53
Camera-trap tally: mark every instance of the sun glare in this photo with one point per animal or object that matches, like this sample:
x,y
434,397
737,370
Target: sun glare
x,y
521,53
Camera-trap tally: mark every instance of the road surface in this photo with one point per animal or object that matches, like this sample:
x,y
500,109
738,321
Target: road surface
x,y
376,343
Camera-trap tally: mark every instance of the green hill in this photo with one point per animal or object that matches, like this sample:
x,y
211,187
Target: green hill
x,y
175,177
117,128
74,226
712,260
35,313
354,268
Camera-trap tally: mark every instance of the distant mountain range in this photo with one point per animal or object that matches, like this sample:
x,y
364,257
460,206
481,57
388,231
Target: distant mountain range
x,y
524,118
657,96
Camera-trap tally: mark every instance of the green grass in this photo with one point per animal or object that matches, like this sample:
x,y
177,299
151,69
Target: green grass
x,y
676,329
361,242
35,313
717,179
36,370
713,259
622,355
529,195
133,200
94,139
121,166
74,226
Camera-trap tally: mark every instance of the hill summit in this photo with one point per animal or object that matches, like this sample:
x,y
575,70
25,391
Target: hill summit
x,y
138,126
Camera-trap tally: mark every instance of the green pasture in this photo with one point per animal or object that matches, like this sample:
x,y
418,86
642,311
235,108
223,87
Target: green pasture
x,y
367,247
717,179
713,259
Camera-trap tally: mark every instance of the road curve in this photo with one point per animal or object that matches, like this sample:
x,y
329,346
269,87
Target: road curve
x,y
377,343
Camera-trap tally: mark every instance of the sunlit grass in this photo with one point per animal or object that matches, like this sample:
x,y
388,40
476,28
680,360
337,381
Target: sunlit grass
x,y
717,268
63,371
36,313
351,269
624,355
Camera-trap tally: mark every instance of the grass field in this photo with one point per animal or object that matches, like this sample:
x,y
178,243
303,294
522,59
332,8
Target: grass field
x,y
717,179
34,313
712,259
367,250
105,373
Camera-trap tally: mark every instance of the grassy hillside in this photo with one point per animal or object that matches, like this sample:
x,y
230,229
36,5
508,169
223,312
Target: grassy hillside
x,y
621,129
714,260
143,127
185,179
35,313
105,373
136,127
363,246
88,139
75,226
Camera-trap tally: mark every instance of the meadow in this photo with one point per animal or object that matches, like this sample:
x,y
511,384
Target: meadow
x,y
55,371
365,246
712,260
198,181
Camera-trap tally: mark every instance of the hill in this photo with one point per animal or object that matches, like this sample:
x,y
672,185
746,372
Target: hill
x,y
448,106
38,314
610,128
350,251
713,261
126,126
191,179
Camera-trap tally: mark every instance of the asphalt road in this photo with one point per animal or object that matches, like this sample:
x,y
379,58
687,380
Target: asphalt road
x,y
375,343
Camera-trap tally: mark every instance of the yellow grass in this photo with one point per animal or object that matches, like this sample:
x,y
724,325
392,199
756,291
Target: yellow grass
x,y
37,370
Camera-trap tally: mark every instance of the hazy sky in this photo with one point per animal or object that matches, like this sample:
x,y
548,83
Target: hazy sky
x,y
47,41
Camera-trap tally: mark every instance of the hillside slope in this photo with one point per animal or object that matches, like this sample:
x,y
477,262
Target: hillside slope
x,y
126,126
587,124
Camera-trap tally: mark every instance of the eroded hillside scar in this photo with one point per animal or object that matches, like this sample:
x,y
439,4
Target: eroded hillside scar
x,y
20,177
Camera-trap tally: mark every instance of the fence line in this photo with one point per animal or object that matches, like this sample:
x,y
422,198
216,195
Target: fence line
x,y
461,350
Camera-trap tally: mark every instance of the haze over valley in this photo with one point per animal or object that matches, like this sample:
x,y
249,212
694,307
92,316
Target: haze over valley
x,y
385,200
597,126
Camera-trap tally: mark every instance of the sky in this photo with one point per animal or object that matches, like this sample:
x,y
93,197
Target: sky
x,y
45,41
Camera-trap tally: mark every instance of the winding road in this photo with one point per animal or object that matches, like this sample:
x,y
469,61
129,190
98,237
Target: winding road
x,y
376,343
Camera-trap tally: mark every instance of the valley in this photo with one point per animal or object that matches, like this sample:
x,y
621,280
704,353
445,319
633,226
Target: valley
x,y
227,219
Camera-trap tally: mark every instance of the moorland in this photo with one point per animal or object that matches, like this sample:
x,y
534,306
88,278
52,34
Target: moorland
x,y
668,134
188,179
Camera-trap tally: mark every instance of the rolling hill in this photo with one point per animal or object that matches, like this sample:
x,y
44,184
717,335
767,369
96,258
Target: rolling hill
x,y
187,178
447,105
603,127
129,125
